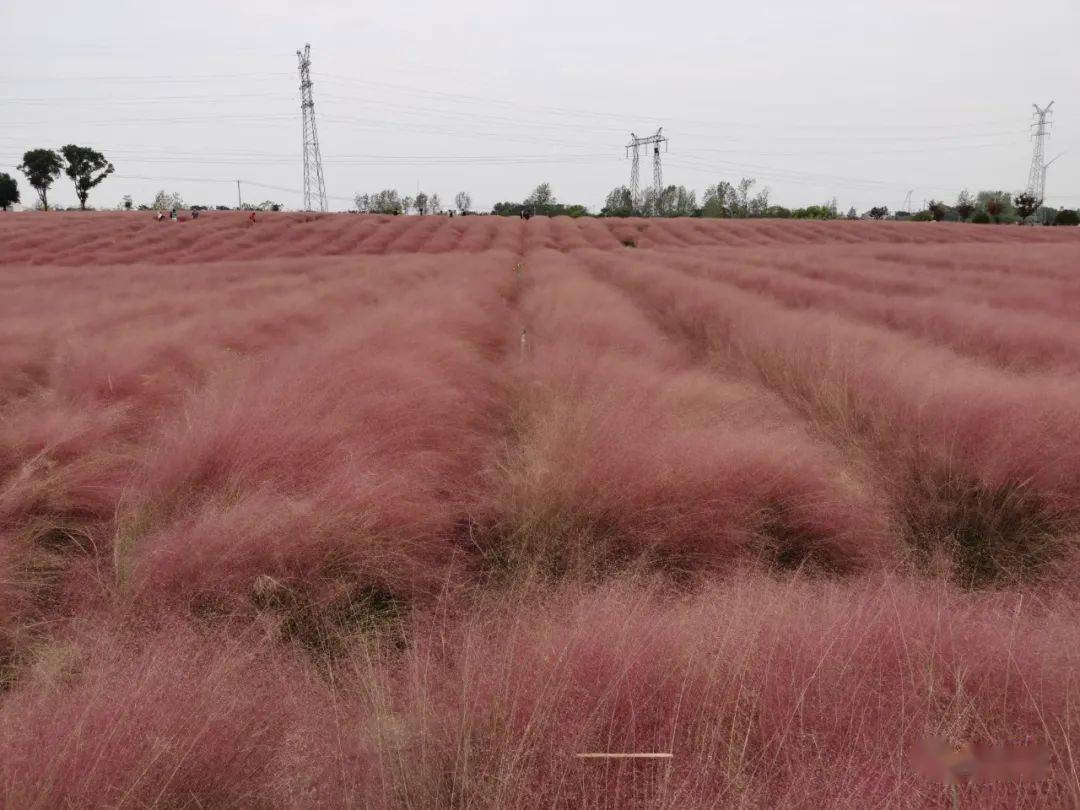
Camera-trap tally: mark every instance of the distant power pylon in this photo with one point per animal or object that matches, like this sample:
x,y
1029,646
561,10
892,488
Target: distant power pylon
x,y
312,157
658,176
907,201
1037,175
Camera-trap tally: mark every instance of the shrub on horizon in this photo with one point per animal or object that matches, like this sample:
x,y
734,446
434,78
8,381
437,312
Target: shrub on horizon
x,y
1067,216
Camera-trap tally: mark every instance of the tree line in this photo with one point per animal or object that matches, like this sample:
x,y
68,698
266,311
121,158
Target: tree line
x,y
987,207
86,167
721,200
389,201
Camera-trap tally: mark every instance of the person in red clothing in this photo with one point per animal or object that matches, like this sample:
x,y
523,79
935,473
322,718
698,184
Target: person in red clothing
x,y
252,217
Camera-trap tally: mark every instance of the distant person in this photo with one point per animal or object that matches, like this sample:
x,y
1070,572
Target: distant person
x,y
194,213
160,216
252,218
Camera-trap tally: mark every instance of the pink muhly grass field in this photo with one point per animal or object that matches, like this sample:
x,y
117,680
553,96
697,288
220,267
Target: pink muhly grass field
x,y
340,511
794,693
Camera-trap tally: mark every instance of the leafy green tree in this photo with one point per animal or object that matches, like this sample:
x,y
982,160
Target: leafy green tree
x,y
648,204
997,204
965,205
757,205
936,209
164,201
9,191
1067,217
1026,205
879,212
673,201
82,163
507,209
619,203
386,201
719,200
980,217
826,211
738,200
463,202
422,203
542,199
741,205
41,167
684,203
128,203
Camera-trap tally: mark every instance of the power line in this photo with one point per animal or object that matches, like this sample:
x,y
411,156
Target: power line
x,y
504,128
13,141
201,98
177,78
427,113
285,189
794,176
187,119
459,98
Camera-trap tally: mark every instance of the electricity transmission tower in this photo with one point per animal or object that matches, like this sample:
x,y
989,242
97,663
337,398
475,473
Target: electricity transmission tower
x,y
658,177
312,157
1037,176
907,201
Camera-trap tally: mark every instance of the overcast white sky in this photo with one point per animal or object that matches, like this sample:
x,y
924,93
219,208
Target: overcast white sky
x,y
861,101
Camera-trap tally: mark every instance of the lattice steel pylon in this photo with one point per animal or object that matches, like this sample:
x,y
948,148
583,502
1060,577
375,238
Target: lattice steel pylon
x,y
634,168
313,173
658,176
1037,175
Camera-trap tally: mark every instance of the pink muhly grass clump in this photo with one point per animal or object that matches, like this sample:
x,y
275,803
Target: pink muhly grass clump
x,y
507,234
774,693
477,234
974,458
71,439
173,718
1017,341
567,232
623,449
66,471
417,233
446,237
356,459
12,604
617,466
